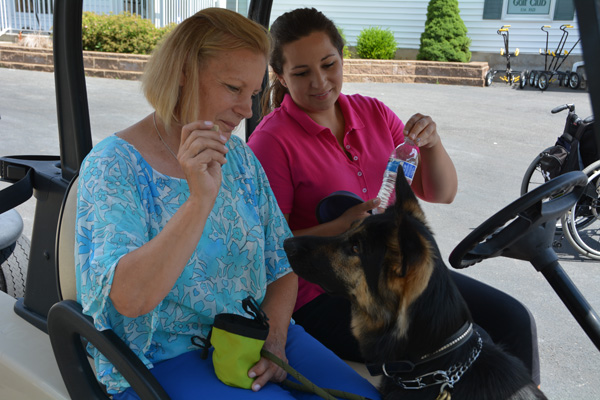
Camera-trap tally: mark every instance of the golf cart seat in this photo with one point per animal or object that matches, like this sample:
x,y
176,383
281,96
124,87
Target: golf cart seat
x,y
70,329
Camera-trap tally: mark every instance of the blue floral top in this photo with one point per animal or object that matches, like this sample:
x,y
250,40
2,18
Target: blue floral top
x,y
123,203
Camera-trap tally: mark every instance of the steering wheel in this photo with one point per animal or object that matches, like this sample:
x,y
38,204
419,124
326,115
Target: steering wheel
x,y
500,233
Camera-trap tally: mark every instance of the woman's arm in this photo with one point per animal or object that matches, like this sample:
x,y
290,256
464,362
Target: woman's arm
x,y
145,276
435,179
340,224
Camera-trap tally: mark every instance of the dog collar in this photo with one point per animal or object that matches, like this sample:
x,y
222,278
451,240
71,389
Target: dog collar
x,y
446,379
459,338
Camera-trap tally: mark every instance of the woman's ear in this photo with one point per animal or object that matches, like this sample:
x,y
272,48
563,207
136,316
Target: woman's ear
x,y
281,80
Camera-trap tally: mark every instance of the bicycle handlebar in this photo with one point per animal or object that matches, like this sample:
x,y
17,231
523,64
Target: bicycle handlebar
x,y
562,107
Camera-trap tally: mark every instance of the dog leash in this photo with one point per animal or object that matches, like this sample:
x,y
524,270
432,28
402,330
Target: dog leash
x,y
305,384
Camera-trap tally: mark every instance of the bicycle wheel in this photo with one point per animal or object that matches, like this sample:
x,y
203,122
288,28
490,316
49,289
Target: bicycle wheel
x,y
582,223
543,81
574,80
531,78
488,78
523,79
534,177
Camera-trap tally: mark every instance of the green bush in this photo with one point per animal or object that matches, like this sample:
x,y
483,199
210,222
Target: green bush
x,y
346,52
120,33
376,43
445,36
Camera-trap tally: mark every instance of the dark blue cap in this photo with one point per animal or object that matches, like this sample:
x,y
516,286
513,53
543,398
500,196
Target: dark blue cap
x,y
334,205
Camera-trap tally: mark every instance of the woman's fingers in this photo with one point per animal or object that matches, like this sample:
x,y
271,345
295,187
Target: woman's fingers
x,y
422,130
265,371
201,144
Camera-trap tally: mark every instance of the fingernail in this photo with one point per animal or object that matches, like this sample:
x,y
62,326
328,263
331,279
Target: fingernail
x,y
251,374
223,138
376,201
208,123
256,387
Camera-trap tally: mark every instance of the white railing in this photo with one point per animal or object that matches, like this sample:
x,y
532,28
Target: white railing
x,y
36,15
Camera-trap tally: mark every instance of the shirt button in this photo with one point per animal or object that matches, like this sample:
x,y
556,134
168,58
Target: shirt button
x,y
355,158
359,173
348,146
364,190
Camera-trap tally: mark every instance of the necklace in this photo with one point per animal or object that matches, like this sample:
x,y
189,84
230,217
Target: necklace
x,y
160,136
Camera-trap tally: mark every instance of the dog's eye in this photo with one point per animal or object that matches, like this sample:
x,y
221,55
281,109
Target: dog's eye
x,y
355,249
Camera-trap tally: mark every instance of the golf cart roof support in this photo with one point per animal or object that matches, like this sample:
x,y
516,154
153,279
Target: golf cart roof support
x,y
258,11
75,137
588,17
51,176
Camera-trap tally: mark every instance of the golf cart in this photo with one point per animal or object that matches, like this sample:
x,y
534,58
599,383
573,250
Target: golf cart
x,y
47,310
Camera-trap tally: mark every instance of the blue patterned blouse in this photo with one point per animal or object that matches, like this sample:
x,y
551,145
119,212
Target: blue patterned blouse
x,y
123,203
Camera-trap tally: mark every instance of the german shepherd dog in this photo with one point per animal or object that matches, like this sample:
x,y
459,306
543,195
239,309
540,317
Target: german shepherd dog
x,y
411,322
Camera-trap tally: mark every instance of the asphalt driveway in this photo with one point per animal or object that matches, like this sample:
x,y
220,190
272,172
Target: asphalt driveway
x,y
491,133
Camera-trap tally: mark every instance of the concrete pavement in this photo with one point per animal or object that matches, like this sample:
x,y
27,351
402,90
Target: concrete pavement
x,y
491,133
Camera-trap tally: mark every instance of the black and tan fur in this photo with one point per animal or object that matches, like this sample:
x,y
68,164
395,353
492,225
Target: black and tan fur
x,y
404,303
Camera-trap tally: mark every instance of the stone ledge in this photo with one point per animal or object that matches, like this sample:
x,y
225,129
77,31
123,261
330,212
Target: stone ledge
x,y
131,66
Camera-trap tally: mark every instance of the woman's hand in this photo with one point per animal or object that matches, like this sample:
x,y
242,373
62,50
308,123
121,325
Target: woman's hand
x,y
278,304
357,212
264,370
422,130
201,154
435,179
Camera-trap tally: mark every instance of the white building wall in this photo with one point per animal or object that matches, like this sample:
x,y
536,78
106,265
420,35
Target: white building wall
x,y
406,18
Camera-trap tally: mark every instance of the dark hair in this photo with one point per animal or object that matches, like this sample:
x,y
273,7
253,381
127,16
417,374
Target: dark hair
x,y
288,28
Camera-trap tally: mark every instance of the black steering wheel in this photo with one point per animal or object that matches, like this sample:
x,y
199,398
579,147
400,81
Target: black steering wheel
x,y
499,235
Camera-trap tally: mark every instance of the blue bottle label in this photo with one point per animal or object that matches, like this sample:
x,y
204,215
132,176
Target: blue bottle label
x,y
409,170
393,165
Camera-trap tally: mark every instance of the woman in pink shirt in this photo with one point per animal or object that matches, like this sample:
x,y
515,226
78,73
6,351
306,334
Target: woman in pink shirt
x,y
314,141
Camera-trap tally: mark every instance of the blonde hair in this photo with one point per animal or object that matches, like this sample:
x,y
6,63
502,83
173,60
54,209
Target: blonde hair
x,y
183,53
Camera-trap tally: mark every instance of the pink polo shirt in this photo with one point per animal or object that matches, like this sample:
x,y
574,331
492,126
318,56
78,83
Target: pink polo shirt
x,y
305,163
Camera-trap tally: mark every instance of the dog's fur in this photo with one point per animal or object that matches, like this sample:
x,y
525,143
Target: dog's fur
x,y
404,303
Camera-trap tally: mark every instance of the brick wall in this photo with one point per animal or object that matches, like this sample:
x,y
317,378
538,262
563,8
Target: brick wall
x,y
130,66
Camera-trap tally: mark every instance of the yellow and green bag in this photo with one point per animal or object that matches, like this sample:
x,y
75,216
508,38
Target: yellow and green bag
x,y
238,341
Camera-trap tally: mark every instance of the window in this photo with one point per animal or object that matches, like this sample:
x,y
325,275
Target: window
x,y
561,10
35,6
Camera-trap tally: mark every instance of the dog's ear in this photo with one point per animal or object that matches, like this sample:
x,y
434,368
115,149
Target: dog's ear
x,y
411,243
409,218
404,193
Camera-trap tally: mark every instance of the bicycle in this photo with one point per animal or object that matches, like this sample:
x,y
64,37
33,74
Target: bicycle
x,y
574,150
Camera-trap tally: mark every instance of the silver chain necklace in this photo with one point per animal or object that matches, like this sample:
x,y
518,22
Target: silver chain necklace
x,y
161,138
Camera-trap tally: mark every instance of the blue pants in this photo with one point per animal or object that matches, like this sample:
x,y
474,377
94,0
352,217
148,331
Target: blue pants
x,y
189,377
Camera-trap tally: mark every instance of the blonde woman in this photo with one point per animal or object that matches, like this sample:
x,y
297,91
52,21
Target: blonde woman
x,y
177,222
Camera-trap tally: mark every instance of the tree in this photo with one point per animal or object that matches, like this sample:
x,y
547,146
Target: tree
x,y
445,36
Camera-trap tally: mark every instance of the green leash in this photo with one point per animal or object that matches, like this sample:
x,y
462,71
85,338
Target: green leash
x,y
305,385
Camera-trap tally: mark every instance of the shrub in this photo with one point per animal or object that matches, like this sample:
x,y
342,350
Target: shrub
x,y
346,52
120,33
376,43
445,36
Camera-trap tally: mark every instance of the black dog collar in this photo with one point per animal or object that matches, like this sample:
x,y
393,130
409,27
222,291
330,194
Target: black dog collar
x,y
404,366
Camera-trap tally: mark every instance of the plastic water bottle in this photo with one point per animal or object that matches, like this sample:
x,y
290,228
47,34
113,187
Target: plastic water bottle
x,y
404,156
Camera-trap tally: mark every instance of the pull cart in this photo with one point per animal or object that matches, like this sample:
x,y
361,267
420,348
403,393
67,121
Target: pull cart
x,y
553,60
509,76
